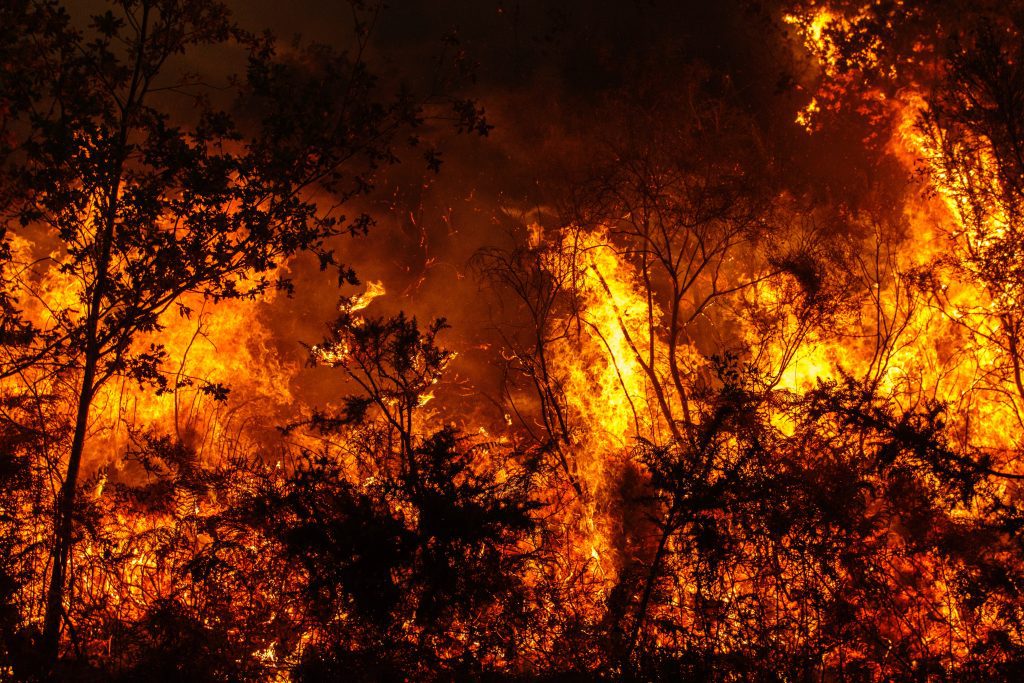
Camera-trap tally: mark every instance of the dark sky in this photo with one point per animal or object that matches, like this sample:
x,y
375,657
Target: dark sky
x,y
587,47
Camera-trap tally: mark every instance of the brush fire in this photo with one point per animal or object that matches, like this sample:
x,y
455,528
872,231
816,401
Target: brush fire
x,y
503,341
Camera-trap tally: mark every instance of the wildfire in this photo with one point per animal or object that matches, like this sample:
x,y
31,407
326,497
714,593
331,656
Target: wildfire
x,y
731,424
374,289
947,347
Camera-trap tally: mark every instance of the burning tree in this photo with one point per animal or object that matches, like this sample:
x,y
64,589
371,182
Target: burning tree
x,y
974,142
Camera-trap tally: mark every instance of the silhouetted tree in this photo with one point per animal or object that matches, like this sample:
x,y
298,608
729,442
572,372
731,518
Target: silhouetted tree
x,y
145,209
21,519
410,546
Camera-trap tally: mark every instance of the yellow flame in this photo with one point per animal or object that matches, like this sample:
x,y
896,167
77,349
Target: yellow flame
x,y
374,289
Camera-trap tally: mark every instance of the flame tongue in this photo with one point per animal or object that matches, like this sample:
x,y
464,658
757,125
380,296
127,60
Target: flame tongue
x,y
374,289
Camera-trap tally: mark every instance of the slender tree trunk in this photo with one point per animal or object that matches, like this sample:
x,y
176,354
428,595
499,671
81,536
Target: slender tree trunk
x,y
64,527
65,516
652,577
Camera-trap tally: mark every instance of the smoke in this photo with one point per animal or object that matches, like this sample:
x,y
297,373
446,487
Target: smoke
x,y
542,72
557,82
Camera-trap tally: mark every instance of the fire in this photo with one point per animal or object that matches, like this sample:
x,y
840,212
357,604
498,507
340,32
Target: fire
x,y
723,437
209,344
818,28
374,289
948,332
602,379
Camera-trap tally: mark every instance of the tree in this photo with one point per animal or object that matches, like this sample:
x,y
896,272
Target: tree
x,y
409,541
677,249
145,208
23,432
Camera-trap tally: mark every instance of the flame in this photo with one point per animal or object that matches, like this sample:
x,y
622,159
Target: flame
x,y
947,340
374,289
604,378
608,356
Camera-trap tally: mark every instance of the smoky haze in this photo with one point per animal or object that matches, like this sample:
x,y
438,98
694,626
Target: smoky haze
x,y
551,78
557,82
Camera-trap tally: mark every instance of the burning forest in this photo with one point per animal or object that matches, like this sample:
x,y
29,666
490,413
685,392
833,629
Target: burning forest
x,y
511,340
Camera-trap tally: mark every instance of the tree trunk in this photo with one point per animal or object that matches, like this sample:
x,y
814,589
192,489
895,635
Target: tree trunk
x,y
64,527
